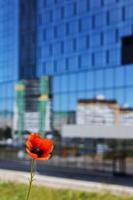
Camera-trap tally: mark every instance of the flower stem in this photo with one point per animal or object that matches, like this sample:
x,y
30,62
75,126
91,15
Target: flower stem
x,y
31,178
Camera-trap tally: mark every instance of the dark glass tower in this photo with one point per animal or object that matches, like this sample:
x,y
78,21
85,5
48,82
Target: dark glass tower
x,y
27,39
9,62
82,44
17,51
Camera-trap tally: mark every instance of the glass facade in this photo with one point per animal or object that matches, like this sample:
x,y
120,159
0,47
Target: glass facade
x,y
17,51
8,58
27,39
83,46
80,44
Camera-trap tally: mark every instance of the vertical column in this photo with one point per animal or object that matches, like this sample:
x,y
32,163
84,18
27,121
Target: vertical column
x,y
20,102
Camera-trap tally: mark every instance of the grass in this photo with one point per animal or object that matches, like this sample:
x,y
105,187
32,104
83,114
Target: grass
x,y
14,191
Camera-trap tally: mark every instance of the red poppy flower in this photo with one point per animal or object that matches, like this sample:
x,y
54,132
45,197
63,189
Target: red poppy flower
x,y
39,148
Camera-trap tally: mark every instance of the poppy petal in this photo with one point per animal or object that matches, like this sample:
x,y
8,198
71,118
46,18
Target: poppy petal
x,y
40,145
46,157
29,145
35,139
47,145
31,154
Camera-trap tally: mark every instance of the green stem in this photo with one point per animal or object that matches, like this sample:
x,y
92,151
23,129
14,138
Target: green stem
x,y
31,178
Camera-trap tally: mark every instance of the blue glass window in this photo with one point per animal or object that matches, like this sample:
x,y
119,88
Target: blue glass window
x,y
74,8
40,19
45,51
44,35
67,28
64,103
39,53
68,46
56,102
45,18
109,94
95,40
49,67
62,47
109,78
129,97
123,13
74,44
95,3
100,60
116,35
81,83
61,65
62,10
61,30
119,96
55,32
90,80
50,49
114,56
107,57
129,74
45,3
115,15
99,79
50,16
93,22
57,14
86,61
44,68
125,30
129,11
73,26
64,83
108,18
55,65
119,76
87,41
100,19
49,33
79,25
82,6
86,23
72,105
88,4
110,36
93,59
107,2
69,10
81,43
55,1
73,63
79,62
56,49
67,64
72,83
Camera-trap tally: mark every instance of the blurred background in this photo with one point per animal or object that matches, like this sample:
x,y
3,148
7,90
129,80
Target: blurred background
x,y
66,71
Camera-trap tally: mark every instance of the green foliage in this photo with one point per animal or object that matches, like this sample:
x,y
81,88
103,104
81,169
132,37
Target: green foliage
x,y
14,191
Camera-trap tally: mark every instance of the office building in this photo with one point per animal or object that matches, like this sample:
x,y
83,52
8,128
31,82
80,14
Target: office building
x,y
86,46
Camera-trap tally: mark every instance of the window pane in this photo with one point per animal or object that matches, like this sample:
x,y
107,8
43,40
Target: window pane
x,y
109,78
119,76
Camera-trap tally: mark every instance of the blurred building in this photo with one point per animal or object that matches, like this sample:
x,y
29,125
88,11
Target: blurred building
x,y
85,45
126,116
87,48
97,111
77,43
17,51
